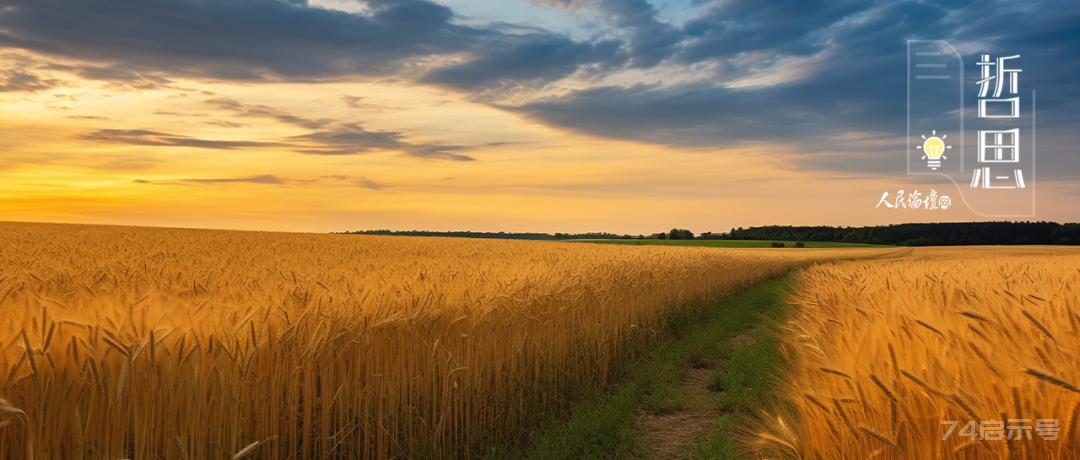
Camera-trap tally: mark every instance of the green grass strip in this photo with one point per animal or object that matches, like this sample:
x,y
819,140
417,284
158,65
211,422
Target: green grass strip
x,y
603,426
734,243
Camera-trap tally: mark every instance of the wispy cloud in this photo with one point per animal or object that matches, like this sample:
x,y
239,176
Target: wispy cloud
x,y
352,139
262,179
264,111
355,102
226,124
265,179
154,138
14,81
364,182
335,137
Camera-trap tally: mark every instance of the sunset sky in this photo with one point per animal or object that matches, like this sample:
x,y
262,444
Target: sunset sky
x,y
518,115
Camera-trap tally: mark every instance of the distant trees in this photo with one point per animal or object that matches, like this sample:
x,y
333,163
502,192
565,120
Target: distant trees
x,y
592,236
459,234
680,234
1066,234
946,233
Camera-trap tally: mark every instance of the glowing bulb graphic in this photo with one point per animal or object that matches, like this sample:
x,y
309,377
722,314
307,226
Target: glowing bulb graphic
x,y
934,148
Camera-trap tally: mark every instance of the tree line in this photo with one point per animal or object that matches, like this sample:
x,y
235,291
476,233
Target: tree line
x,y
926,234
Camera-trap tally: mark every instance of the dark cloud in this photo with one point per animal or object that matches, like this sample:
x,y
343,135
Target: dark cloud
x,y
158,139
853,80
352,139
650,40
857,85
237,39
118,75
846,61
14,81
785,27
527,58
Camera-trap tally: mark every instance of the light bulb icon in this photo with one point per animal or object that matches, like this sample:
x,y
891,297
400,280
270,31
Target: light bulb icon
x,y
934,147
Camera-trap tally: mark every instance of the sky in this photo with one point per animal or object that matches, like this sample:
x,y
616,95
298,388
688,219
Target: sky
x,y
625,116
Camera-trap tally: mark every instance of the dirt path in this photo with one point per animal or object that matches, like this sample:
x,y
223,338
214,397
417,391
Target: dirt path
x,y
671,436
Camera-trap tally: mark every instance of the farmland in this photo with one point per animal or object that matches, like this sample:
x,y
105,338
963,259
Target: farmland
x,y
948,353
121,342
124,342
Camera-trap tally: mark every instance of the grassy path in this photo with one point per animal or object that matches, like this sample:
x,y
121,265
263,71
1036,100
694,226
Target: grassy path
x,y
686,399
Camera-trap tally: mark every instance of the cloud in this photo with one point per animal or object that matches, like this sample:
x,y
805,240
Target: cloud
x,y
528,58
352,139
237,39
14,81
349,139
333,137
263,179
88,117
439,151
650,40
226,124
855,83
364,182
158,139
354,102
340,139
178,114
266,179
798,72
118,75
786,27
264,111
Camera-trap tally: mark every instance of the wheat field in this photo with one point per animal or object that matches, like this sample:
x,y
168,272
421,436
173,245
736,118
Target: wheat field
x,y
889,357
123,342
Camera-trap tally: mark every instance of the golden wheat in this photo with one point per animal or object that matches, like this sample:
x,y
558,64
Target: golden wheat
x,y
990,335
122,342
